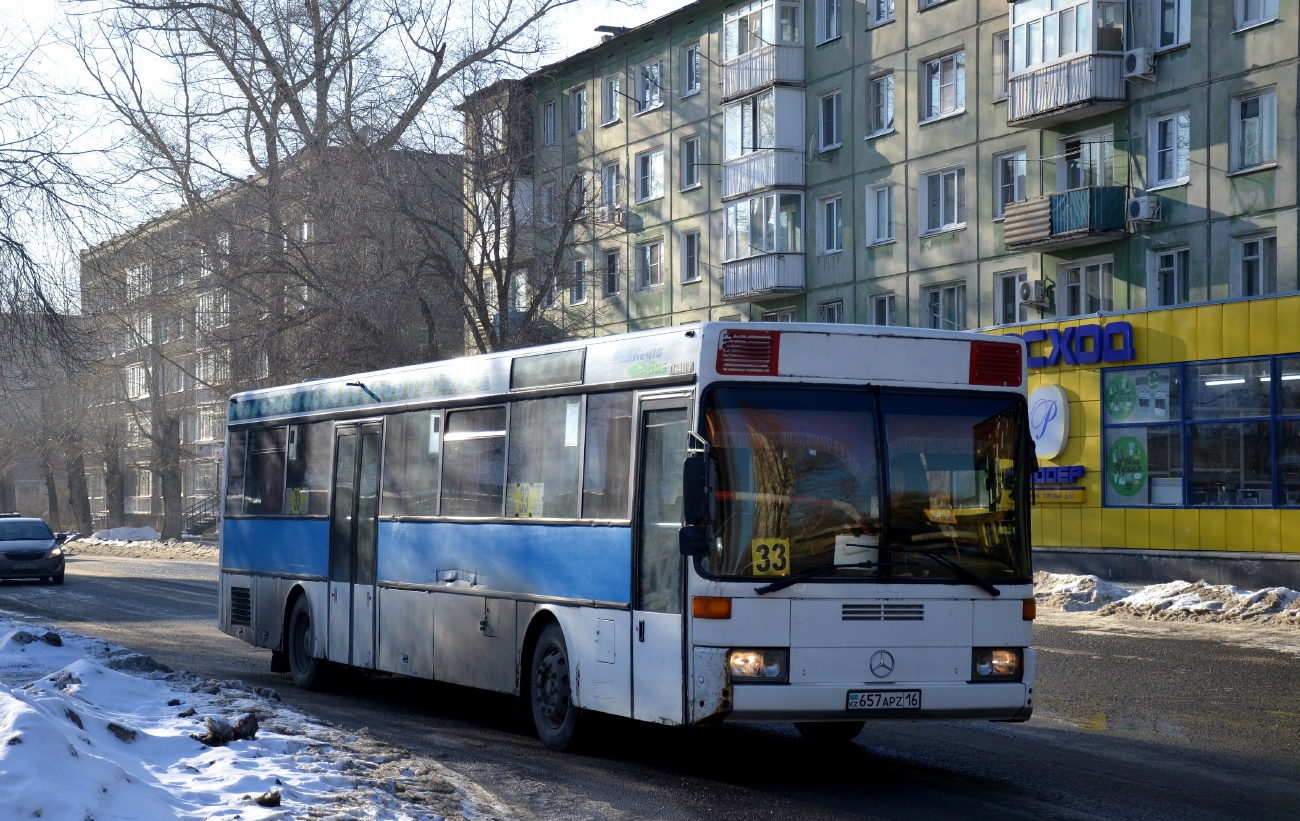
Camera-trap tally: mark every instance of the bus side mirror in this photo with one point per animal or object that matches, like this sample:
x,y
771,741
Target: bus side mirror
x,y
696,496
693,541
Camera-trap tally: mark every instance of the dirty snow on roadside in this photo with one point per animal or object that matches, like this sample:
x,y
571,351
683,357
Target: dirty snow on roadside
x,y
141,548
1173,601
91,730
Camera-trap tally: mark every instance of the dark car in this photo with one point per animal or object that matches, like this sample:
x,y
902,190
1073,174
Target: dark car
x,y
30,550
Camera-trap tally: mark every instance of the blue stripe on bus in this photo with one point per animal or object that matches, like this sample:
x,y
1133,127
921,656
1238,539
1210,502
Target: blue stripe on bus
x,y
570,561
271,546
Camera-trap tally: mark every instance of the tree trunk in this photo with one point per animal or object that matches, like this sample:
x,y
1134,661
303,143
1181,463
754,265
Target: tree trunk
x,y
52,517
114,499
8,500
78,494
167,452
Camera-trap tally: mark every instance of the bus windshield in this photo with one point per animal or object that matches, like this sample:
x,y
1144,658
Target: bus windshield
x,y
804,480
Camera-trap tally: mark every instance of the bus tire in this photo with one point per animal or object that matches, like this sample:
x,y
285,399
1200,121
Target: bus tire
x,y
307,670
550,690
829,732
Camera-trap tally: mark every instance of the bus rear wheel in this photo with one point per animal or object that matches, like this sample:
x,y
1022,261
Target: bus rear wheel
x,y
829,732
307,670
550,690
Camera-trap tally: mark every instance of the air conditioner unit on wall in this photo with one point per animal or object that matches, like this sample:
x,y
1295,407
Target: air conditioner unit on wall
x,y
1140,64
1033,292
1145,208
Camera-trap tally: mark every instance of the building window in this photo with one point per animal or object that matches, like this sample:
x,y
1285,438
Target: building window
x,y
1170,277
1088,160
1257,266
830,121
578,285
945,86
1254,12
137,382
1254,130
690,162
880,11
1174,21
263,367
1045,32
771,223
577,197
690,69
945,307
1009,308
649,86
831,312
828,20
610,280
945,200
650,175
832,224
882,105
691,256
578,109
780,315
548,208
1001,65
610,93
548,122
1088,288
1011,181
650,264
882,310
880,214
1171,148
608,191
750,125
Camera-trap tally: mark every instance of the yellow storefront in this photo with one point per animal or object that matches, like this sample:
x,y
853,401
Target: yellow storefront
x,y
1183,435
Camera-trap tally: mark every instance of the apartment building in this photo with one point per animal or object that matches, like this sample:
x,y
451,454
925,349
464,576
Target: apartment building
x,y
1034,167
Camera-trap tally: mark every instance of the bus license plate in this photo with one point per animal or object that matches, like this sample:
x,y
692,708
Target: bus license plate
x,y
884,700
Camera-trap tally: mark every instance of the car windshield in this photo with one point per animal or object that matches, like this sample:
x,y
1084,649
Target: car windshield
x,y
20,531
800,476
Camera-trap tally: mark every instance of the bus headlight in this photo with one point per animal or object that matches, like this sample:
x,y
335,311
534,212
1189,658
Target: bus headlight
x,y
760,666
996,664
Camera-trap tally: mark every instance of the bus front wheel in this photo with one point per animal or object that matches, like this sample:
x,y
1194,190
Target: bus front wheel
x,y
554,714
829,732
305,668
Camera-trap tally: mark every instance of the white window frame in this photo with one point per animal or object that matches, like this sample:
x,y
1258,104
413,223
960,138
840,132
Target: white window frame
x,y
1001,66
888,304
548,122
1015,187
828,119
1174,123
1260,250
611,280
578,109
1000,303
690,163
1174,263
609,184
780,315
873,210
1100,145
691,249
137,382
881,105
879,12
1267,147
578,283
691,70
830,22
649,89
830,225
951,300
930,108
831,312
1268,11
1067,291
951,177
650,264
756,115
650,175
549,199
611,89
1181,33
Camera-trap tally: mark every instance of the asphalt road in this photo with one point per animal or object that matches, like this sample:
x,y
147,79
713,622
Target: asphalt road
x,y
1133,721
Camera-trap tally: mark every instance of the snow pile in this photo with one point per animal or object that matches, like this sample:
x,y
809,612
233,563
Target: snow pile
x,y
127,534
152,549
1075,593
103,733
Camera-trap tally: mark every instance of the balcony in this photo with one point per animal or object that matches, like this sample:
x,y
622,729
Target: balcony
x,y
765,275
1069,90
762,169
1080,216
762,67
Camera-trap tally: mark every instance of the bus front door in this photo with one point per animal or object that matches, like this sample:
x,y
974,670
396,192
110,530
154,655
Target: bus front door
x,y
657,634
353,532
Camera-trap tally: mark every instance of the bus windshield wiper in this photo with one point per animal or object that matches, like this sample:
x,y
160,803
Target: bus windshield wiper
x,y
782,584
958,569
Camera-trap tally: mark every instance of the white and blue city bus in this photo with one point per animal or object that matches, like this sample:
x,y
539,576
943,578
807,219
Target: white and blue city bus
x,y
823,524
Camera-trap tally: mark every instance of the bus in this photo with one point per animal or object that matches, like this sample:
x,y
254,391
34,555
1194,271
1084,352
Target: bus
x,y
721,522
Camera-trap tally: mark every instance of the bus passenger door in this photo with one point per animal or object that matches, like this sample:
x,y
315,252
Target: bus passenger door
x,y
657,630
353,528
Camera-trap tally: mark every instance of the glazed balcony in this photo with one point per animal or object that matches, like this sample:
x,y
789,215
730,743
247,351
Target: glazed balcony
x,y
760,170
762,276
1068,219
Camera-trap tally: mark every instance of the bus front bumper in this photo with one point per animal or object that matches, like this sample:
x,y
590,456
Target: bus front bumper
x,y
1009,701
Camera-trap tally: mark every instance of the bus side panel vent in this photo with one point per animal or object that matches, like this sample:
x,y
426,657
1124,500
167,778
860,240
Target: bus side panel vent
x,y
241,606
882,612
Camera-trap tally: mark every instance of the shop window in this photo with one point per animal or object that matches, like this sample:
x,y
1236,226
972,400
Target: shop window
x,y
1142,451
412,447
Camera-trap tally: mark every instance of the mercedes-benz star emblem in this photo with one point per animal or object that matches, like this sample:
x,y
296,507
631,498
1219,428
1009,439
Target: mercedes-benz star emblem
x,y
882,663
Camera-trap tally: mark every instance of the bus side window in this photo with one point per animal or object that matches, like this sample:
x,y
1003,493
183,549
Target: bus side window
x,y
307,479
542,478
412,445
264,480
474,462
606,474
235,473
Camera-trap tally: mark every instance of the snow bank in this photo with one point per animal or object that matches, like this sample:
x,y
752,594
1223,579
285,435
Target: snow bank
x,y
103,733
127,534
1173,601
153,549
